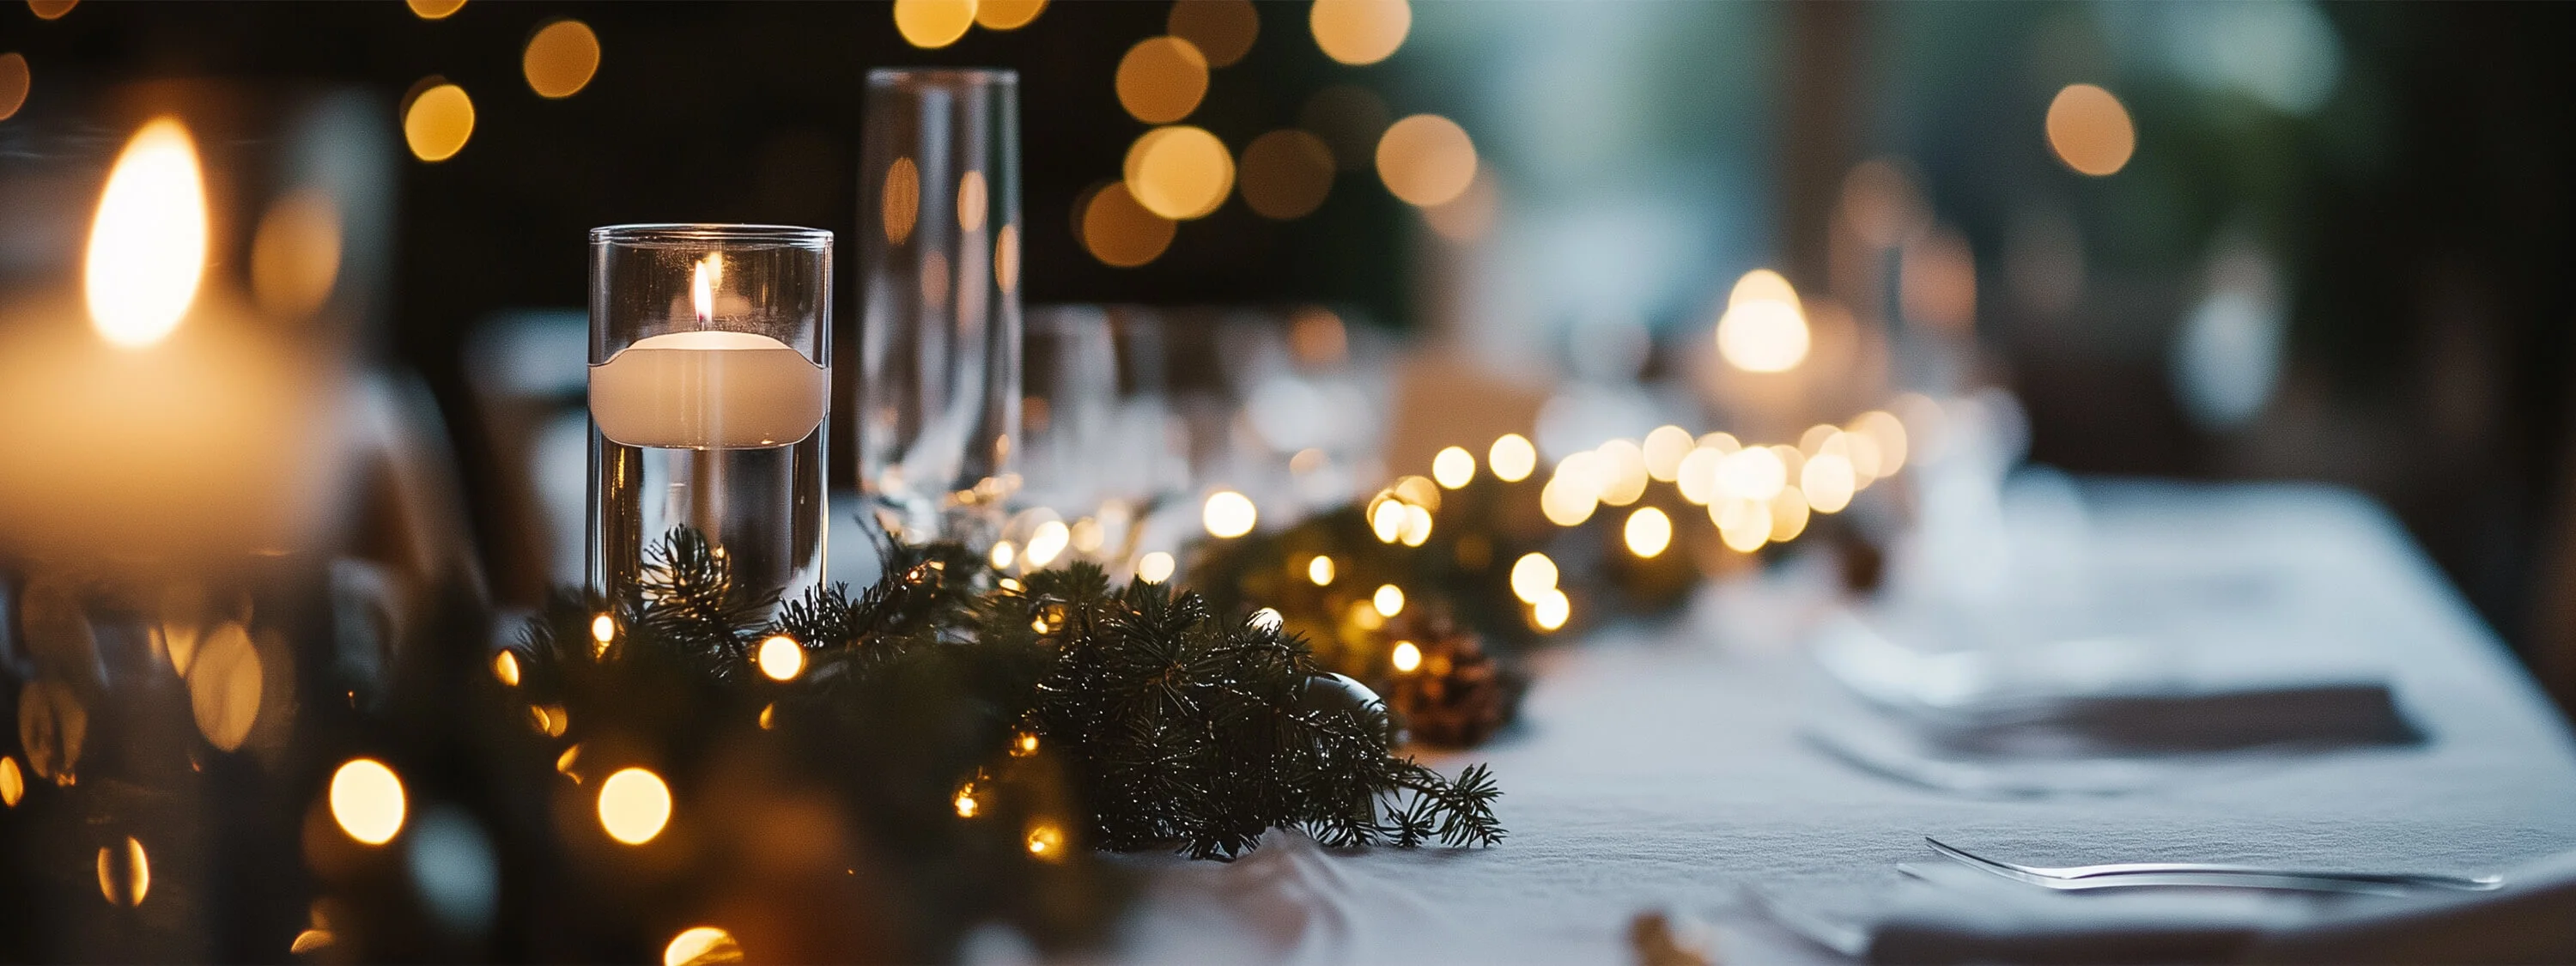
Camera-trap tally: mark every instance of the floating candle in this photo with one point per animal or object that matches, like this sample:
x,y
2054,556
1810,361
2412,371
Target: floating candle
x,y
708,389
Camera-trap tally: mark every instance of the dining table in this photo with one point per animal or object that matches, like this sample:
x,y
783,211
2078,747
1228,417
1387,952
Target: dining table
x,y
1671,767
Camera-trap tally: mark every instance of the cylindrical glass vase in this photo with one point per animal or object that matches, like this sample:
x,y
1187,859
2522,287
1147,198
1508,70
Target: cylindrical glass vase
x,y
939,387
709,383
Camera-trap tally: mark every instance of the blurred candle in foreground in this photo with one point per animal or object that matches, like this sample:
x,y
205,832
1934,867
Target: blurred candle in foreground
x,y
163,426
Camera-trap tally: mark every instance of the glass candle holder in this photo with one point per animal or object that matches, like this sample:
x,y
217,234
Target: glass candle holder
x,y
939,386
709,384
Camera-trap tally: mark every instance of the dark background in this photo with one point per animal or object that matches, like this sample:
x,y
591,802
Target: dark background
x,y
2429,254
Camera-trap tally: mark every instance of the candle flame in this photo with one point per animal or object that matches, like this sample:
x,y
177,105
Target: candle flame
x,y
147,249
702,286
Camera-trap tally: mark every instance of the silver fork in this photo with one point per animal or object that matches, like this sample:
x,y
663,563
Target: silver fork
x,y
2137,874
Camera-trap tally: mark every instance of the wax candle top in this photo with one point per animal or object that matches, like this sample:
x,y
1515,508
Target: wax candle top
x,y
708,389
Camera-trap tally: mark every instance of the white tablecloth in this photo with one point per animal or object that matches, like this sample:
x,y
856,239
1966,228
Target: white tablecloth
x,y
1661,768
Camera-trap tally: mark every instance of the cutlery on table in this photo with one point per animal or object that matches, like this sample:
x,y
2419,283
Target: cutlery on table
x,y
2141,874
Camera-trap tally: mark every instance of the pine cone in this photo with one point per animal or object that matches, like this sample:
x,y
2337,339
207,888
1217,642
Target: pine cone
x,y
1458,695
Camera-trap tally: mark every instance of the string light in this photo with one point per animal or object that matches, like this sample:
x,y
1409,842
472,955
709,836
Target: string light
x,y
13,782
634,805
965,801
505,666
367,801
780,657
1320,570
1003,553
603,631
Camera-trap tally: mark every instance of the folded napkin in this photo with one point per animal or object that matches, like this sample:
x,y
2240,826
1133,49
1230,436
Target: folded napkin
x,y
1953,914
2112,696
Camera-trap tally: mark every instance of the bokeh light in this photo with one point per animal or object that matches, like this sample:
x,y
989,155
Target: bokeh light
x,y
1389,600
634,805
424,9
1453,467
1788,515
1744,525
1551,610
1386,519
367,801
1319,571
1003,554
1046,841
780,657
1752,473
124,874
1469,216
1047,542
1512,458
932,24
505,667
1696,477
1648,532
1179,172
1426,159
1663,452
1360,32
295,255
2090,130
1156,567
1007,14
1121,233
560,59
1406,656
702,946
1228,514
1161,79
1533,576
1416,528
1828,482
13,781
1763,328
1622,466
14,83
1284,174
438,122
1887,436
1222,29
899,201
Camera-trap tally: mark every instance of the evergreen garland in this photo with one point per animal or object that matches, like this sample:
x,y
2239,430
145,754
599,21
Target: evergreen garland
x,y
1134,711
